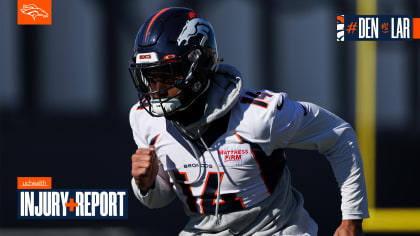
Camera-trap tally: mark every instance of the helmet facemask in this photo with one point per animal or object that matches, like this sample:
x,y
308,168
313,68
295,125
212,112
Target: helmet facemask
x,y
189,73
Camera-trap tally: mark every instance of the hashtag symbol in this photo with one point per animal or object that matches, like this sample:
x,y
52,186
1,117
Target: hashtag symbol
x,y
352,27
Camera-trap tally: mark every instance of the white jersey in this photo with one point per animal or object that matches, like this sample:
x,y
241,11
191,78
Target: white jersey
x,y
249,174
256,192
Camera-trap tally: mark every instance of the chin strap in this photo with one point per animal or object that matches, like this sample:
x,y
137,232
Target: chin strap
x,y
161,108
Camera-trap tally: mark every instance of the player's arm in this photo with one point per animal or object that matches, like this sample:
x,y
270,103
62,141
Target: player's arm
x,y
349,228
150,182
308,126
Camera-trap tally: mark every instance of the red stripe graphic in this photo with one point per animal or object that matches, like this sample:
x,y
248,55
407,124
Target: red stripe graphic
x,y
153,19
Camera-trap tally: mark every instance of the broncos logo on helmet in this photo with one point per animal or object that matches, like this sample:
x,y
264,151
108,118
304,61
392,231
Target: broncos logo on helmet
x,y
191,29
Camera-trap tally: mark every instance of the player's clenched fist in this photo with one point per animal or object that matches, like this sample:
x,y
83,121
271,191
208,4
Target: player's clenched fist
x,y
144,167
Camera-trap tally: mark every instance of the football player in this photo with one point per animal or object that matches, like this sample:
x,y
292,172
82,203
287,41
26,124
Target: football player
x,y
218,147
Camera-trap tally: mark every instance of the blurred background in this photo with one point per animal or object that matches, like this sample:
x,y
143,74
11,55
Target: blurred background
x,y
65,94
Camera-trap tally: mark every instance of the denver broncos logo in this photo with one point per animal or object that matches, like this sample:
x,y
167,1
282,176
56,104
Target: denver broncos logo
x,y
340,28
34,11
191,29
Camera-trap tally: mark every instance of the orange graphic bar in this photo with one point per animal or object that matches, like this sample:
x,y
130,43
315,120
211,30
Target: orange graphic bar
x,y
416,28
34,183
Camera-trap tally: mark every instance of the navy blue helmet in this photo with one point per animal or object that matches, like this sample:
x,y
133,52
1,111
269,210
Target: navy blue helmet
x,y
179,46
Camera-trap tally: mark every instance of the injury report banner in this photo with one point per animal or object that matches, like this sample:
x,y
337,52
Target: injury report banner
x,y
37,200
377,28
